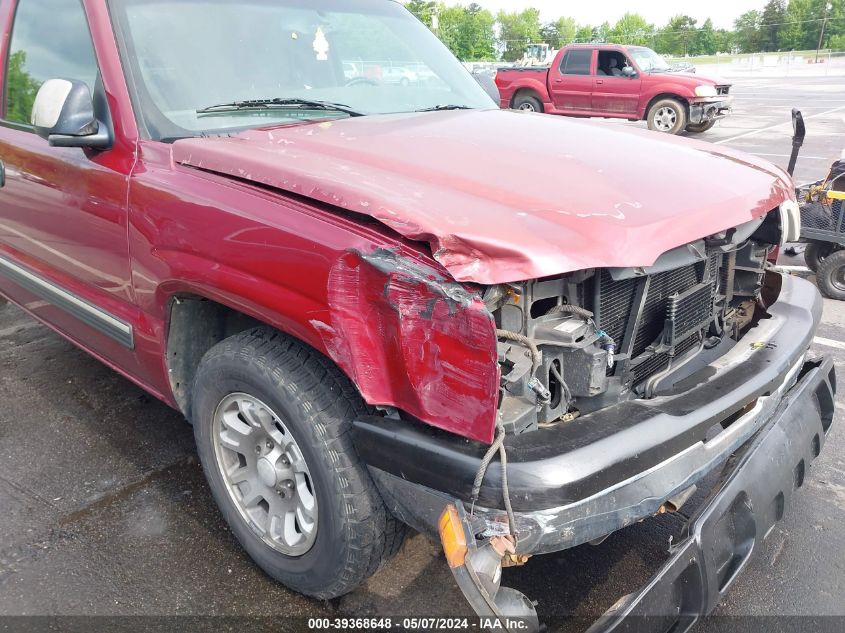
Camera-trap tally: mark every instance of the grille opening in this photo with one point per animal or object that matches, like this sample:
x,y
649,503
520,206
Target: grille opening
x,y
728,421
541,307
776,509
799,474
554,386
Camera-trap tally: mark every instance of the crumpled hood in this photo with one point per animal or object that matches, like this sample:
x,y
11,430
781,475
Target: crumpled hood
x,y
505,196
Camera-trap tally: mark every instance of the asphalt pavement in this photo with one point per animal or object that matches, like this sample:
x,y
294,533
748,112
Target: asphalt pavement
x,y
104,510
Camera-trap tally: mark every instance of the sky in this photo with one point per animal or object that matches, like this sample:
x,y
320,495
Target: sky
x,y
722,12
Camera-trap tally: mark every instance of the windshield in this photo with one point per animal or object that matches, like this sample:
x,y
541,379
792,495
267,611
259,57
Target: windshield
x,y
184,57
648,60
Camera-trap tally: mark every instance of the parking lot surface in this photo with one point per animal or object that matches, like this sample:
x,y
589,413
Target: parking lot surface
x,y
104,510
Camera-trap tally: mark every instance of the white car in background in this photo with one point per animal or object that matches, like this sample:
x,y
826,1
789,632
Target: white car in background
x,y
400,76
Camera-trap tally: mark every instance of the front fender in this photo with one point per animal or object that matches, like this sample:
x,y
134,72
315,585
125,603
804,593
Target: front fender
x,y
410,336
403,332
664,89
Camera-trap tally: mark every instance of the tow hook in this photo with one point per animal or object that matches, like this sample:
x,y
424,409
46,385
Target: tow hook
x,y
477,569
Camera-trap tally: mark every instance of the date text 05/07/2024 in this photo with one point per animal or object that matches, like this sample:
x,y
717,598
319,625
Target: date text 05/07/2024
x,y
418,623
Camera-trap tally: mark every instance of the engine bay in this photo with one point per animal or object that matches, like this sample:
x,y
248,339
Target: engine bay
x,y
578,343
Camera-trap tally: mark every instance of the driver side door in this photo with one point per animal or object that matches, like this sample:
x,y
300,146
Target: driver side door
x,y
616,96
63,220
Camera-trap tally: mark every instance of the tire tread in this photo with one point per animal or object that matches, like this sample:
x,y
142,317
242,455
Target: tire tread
x,y
317,386
680,125
827,268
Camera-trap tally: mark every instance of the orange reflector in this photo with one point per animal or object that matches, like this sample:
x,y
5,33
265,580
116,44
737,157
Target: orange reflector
x,y
452,537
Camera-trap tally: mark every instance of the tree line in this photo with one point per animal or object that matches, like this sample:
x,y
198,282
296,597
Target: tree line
x,y
476,34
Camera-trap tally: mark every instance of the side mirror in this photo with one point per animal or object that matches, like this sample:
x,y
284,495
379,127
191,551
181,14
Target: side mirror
x,y
63,115
628,71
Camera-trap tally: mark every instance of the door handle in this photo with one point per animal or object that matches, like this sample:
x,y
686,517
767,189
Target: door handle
x,y
558,81
599,81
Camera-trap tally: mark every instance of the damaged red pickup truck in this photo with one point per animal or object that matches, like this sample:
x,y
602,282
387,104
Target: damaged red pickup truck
x,y
374,315
622,82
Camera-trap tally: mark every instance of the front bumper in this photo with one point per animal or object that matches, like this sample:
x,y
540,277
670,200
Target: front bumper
x,y
711,109
581,481
727,531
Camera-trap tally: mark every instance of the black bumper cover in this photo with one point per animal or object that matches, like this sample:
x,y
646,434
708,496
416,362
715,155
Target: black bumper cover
x,y
728,529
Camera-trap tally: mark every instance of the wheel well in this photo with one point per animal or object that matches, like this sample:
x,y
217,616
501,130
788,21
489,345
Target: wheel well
x,y
666,95
195,326
529,92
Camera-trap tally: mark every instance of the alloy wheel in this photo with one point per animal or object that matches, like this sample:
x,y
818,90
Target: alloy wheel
x,y
265,474
665,119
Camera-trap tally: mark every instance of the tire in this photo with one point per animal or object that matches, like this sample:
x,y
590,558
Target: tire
x,y
308,406
668,116
700,128
815,254
527,103
831,276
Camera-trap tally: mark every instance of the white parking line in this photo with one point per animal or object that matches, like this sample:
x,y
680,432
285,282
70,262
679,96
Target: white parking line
x,y
766,99
829,342
777,125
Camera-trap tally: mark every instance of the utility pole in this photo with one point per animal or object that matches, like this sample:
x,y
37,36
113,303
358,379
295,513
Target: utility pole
x,y
827,9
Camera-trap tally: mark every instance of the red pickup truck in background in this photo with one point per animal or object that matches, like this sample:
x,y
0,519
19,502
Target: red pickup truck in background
x,y
628,82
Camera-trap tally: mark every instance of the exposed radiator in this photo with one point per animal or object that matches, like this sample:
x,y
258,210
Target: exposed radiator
x,y
678,306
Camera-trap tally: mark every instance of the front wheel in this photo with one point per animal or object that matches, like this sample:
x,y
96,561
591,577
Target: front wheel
x,y
271,419
831,276
700,128
667,116
527,103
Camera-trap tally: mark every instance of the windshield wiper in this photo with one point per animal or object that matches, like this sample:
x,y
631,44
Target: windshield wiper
x,y
448,106
280,104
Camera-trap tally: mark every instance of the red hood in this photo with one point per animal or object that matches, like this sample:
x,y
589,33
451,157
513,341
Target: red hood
x,y
505,196
694,79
